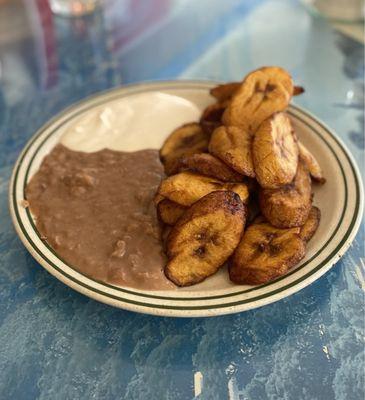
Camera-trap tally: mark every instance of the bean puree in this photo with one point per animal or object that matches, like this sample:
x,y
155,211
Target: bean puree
x,y
96,211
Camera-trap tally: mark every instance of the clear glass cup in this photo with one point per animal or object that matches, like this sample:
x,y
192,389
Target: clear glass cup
x,y
73,8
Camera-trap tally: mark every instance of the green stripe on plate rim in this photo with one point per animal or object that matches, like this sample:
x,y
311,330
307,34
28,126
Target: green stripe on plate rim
x,y
343,240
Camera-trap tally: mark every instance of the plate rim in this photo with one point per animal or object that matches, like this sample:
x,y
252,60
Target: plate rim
x,y
184,310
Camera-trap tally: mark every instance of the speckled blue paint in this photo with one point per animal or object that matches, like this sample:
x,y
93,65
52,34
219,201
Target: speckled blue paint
x,y
57,344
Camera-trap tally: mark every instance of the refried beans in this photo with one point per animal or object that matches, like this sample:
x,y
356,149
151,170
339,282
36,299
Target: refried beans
x,y
96,211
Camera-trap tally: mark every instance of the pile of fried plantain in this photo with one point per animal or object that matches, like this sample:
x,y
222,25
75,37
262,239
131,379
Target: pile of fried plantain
x,y
241,165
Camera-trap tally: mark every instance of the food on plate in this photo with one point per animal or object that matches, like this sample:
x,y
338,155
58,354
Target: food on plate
x,y
234,186
262,93
212,117
187,139
289,205
208,165
265,253
275,152
241,189
226,90
311,163
169,212
253,152
311,224
298,90
96,211
233,146
204,237
185,188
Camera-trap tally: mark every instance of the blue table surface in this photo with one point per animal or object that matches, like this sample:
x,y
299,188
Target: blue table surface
x,y
58,344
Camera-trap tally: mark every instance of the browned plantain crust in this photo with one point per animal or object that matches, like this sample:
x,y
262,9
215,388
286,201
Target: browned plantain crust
x,y
242,154
311,163
208,165
275,152
262,93
185,188
265,253
225,91
233,146
212,117
169,212
288,206
185,140
204,237
298,90
310,226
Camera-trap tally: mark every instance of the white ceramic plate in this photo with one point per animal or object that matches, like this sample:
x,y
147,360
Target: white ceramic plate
x,y
340,201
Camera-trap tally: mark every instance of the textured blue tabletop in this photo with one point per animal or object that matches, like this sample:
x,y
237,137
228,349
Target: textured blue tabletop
x,y
58,344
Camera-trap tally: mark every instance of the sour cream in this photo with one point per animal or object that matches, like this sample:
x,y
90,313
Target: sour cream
x,y
141,121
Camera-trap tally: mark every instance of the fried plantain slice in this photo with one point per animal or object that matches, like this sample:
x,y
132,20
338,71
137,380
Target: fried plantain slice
x,y
233,146
169,212
262,93
265,253
311,163
212,117
185,140
185,188
275,152
311,224
208,165
225,91
240,188
204,237
298,90
290,205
